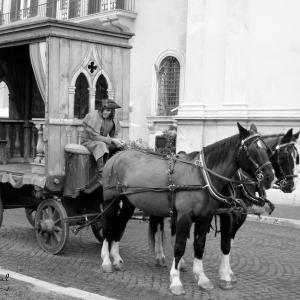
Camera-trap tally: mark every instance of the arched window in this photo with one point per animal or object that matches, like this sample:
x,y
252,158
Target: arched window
x,y
81,104
101,91
168,86
4,100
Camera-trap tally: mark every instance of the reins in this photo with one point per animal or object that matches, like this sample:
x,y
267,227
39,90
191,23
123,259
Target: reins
x,y
172,188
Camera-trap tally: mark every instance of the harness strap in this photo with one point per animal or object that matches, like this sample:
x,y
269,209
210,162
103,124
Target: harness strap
x,y
212,191
172,187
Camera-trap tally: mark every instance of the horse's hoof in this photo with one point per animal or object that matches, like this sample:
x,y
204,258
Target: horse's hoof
x,y
161,263
177,290
118,267
226,285
233,278
206,285
107,268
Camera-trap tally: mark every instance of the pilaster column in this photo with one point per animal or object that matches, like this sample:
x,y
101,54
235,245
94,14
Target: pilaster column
x,y
236,59
192,104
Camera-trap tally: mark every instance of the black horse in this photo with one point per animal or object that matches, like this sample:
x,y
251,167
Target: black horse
x,y
150,183
283,155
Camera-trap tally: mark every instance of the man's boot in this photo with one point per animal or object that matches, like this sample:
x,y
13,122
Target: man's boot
x,y
100,169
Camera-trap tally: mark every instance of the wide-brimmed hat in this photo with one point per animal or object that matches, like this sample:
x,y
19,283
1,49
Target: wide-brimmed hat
x,y
108,103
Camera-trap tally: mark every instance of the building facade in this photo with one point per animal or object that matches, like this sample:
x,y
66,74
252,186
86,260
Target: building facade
x,y
202,65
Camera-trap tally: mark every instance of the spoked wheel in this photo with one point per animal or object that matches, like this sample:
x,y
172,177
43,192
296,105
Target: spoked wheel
x,y
30,215
98,231
1,211
50,229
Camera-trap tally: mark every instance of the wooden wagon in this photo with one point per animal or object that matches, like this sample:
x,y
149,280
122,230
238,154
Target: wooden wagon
x,y
56,72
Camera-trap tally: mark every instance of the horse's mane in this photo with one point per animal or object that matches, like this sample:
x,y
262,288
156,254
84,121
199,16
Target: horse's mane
x,y
187,156
276,137
219,150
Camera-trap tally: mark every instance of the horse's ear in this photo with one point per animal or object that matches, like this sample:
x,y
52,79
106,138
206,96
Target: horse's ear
x,y
295,136
287,137
253,128
244,133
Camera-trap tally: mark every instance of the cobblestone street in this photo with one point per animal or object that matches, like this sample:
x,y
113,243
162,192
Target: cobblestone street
x,y
265,259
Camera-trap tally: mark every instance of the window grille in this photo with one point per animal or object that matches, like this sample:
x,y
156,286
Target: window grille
x,y
168,86
81,104
101,91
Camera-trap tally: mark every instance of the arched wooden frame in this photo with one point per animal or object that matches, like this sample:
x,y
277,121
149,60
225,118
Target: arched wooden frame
x,y
101,91
81,103
92,82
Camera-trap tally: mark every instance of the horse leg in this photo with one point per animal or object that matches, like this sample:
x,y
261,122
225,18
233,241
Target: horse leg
x,y
225,271
109,218
228,232
156,239
201,228
126,213
183,227
240,221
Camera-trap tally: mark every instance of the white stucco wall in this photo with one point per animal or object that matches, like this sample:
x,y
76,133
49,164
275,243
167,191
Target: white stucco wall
x,y
249,72
274,54
160,27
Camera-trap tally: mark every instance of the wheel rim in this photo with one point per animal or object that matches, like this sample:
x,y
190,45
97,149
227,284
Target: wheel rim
x,y
51,230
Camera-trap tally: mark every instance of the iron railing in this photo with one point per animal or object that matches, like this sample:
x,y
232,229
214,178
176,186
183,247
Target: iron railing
x,y
67,9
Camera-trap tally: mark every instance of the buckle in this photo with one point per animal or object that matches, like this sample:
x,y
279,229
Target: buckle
x,y
172,187
198,163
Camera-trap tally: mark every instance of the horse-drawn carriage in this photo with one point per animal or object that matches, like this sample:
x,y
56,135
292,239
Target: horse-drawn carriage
x,y
68,69
56,72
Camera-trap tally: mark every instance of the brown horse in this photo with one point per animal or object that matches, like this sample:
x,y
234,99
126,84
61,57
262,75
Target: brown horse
x,y
144,181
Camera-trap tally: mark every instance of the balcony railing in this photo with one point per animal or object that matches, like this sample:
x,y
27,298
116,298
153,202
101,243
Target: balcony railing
x,y
67,9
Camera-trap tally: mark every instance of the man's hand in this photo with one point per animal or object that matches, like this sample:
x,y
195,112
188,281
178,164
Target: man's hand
x,y
118,143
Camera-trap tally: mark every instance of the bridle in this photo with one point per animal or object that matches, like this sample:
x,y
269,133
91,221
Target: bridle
x,y
245,144
282,181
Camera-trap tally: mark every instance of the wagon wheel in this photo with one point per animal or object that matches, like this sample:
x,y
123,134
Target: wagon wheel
x,y
1,211
98,231
50,229
30,215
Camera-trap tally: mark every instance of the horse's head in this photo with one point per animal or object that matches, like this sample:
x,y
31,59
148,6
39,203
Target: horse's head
x,y
253,156
284,159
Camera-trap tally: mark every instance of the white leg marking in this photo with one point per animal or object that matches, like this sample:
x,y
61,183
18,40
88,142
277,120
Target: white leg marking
x,y
176,284
114,251
159,250
199,272
225,269
105,254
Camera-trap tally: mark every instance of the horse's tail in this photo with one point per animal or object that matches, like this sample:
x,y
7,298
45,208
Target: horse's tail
x,y
155,223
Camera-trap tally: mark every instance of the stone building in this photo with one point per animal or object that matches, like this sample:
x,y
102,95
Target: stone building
x,y
200,64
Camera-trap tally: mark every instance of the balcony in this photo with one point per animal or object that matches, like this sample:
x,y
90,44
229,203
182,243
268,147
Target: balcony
x,y
112,12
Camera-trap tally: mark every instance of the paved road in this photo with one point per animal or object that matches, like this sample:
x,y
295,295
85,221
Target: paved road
x,y
265,259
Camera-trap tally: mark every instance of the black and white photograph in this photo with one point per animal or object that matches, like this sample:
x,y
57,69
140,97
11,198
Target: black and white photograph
x,y
149,149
